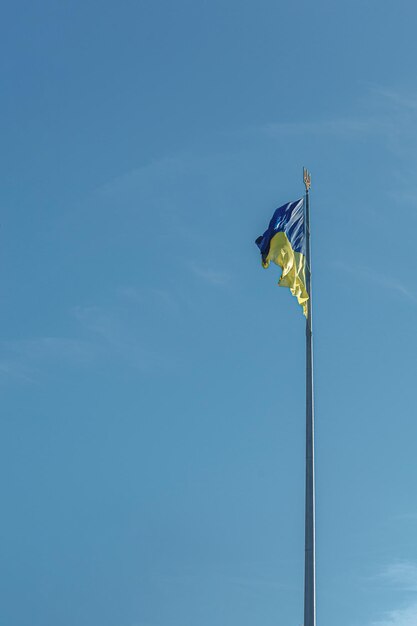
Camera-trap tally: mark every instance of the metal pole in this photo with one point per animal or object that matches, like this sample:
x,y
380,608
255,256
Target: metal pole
x,y
310,553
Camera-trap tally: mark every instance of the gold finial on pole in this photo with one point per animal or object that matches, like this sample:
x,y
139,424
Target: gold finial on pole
x,y
307,179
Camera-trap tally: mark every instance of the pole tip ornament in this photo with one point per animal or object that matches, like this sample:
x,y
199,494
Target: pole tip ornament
x,y
307,178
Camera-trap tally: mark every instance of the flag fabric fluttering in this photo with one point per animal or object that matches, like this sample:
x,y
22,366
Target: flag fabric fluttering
x,y
284,243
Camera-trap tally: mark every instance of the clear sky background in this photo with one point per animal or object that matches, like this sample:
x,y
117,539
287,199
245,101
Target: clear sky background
x,y
152,373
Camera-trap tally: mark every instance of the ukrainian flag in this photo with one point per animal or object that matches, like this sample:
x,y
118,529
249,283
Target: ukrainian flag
x,y
284,243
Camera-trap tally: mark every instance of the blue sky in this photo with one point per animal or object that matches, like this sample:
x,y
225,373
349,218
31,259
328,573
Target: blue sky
x,y
151,372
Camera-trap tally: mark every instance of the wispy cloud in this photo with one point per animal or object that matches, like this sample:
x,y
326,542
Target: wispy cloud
x,y
112,329
378,278
168,167
161,298
102,332
25,360
343,127
396,97
210,275
99,321
412,516
400,617
383,113
255,584
399,577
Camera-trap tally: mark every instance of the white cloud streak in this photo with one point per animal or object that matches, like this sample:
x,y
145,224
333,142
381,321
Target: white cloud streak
x,y
24,360
400,577
111,330
385,114
210,275
397,98
103,332
377,278
342,127
401,617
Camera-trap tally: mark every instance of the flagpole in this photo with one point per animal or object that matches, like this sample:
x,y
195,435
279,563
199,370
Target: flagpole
x,y
310,505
